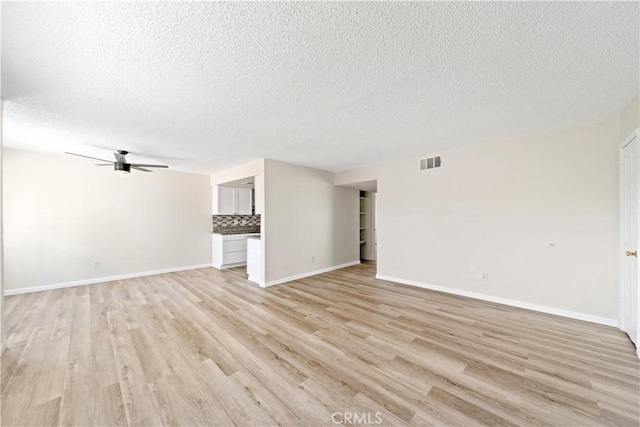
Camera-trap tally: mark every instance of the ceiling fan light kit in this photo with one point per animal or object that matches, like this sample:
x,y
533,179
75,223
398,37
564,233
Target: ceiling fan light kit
x,y
121,165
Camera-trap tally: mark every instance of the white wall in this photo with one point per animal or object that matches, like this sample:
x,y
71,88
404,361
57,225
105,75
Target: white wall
x,y
62,214
307,216
495,207
630,118
2,340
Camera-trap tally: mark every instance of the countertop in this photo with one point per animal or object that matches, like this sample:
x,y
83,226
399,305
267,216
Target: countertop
x,y
236,230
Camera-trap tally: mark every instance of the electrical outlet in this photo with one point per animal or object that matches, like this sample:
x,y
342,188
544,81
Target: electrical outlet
x,y
313,259
485,276
96,264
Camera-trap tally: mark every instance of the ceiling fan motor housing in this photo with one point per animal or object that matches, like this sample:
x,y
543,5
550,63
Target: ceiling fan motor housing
x,y
122,167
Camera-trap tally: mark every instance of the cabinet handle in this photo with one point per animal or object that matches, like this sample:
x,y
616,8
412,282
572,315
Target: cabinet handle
x,y
632,253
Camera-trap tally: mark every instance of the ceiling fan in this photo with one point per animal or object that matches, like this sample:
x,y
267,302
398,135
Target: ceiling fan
x,y
121,164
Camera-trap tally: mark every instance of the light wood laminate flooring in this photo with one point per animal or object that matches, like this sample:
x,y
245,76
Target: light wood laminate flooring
x,y
206,347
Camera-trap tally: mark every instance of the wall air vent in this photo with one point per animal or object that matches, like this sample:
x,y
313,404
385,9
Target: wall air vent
x,y
430,163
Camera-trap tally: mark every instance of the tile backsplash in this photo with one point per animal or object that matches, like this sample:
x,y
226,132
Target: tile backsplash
x,y
231,220
230,224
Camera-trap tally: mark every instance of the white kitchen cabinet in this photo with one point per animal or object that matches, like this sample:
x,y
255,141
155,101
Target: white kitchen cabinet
x,y
226,200
243,201
231,200
230,250
255,270
258,202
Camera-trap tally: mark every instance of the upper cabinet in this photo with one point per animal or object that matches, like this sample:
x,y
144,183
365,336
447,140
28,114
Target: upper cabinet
x,y
258,194
243,201
231,200
226,201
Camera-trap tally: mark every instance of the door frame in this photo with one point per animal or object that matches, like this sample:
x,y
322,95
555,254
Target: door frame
x,y
624,143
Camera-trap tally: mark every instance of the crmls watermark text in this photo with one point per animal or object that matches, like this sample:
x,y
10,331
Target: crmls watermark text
x,y
356,418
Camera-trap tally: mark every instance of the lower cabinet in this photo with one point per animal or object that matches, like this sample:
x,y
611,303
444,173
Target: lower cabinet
x,y
254,260
230,250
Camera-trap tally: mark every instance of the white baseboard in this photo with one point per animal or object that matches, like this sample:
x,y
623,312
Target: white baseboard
x,y
309,274
505,301
256,281
225,266
100,280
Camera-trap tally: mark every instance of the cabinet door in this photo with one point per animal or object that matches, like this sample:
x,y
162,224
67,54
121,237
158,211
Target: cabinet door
x,y
243,200
226,200
235,257
258,194
234,246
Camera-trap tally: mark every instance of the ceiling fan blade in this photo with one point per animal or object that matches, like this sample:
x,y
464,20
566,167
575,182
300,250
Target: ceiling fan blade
x,y
149,166
140,169
88,157
103,164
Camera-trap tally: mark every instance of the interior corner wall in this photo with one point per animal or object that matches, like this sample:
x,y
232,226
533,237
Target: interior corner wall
x,y
63,214
538,214
352,176
245,170
311,223
630,118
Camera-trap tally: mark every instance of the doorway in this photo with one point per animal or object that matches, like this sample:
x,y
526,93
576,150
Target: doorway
x,y
629,223
368,241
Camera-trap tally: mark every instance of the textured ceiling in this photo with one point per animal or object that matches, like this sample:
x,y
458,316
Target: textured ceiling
x,y
207,86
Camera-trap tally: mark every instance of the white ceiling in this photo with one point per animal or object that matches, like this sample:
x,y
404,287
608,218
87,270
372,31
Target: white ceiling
x,y
207,86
